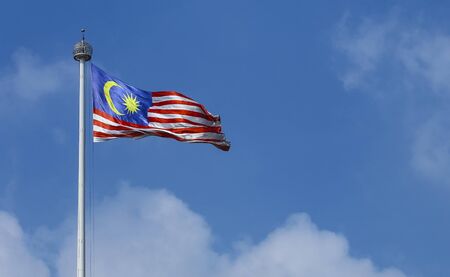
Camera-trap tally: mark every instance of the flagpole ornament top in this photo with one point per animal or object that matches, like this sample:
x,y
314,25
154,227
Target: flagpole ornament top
x,y
82,51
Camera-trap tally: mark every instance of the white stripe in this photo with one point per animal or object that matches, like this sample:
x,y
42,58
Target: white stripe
x,y
220,143
105,120
160,125
171,125
196,135
178,107
118,132
187,136
188,117
112,123
171,97
102,139
223,142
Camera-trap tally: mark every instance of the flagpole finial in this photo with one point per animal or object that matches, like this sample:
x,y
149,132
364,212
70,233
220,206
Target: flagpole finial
x,y
82,51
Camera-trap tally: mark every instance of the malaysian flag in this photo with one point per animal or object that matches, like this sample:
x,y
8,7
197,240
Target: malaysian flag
x,y
123,111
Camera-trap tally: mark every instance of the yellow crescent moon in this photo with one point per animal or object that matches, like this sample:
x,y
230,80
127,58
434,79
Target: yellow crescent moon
x,y
106,88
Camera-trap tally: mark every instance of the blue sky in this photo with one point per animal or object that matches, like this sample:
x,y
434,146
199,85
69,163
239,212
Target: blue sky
x,y
337,113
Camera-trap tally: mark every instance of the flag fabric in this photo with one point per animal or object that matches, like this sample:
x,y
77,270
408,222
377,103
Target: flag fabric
x,y
123,111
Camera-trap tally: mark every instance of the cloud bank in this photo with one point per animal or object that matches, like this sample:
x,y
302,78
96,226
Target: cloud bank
x,y
431,148
16,259
396,57
30,78
141,232
418,57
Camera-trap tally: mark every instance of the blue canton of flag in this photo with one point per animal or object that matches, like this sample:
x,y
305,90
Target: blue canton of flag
x,y
119,100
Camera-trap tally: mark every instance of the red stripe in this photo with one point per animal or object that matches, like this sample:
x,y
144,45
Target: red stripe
x,y
168,135
171,102
180,102
146,130
110,127
174,120
154,132
217,143
118,121
174,93
168,93
186,130
182,112
221,145
127,135
193,130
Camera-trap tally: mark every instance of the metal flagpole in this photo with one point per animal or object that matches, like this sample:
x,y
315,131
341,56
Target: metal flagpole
x,y
82,52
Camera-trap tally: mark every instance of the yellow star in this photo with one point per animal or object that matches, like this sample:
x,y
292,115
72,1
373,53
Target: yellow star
x,y
131,103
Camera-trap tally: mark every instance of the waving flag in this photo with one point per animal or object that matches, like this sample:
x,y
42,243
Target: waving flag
x,y
123,111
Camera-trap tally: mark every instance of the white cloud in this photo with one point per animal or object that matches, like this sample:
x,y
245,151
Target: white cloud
x,y
394,56
146,233
30,78
393,53
141,232
299,248
151,233
427,56
364,47
431,149
15,257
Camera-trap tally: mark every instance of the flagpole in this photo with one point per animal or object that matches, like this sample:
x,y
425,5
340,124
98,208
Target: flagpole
x,y
82,52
